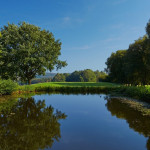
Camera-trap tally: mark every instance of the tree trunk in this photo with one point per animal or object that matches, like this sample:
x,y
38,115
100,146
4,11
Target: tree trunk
x,y
29,81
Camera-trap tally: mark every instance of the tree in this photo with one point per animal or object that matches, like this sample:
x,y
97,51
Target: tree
x,y
88,75
133,65
59,77
66,75
138,66
148,29
28,51
115,66
0,48
100,76
74,77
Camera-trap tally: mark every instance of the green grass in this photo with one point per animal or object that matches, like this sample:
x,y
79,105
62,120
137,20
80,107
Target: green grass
x,y
142,93
75,84
89,87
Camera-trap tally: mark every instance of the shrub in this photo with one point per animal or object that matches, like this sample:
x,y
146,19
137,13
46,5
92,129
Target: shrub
x,y
7,87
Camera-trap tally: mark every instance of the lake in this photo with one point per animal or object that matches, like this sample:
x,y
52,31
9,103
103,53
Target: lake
x,y
72,122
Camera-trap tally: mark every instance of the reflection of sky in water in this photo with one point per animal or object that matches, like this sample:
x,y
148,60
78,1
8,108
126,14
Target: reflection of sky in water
x,y
90,126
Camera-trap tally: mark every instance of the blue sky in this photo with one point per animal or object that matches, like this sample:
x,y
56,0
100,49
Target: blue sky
x,y
90,30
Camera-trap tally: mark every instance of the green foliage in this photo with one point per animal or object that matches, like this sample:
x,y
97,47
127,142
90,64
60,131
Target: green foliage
x,y
28,51
131,66
40,80
59,78
101,76
88,76
138,62
74,77
115,66
7,87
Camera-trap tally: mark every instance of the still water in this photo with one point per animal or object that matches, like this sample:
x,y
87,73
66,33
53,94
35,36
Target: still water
x,y
72,122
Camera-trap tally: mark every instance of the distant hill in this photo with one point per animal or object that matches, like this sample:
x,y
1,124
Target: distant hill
x,y
47,75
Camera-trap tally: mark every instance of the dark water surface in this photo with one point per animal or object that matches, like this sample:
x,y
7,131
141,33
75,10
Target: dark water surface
x,y
72,122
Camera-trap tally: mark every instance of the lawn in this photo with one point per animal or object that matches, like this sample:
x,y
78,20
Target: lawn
x,y
75,84
140,92
58,85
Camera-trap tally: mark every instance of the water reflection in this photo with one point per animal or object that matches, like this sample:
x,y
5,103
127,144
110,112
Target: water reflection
x,y
135,118
29,125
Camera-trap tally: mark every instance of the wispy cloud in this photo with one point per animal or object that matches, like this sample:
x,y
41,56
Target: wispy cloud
x,y
71,20
66,20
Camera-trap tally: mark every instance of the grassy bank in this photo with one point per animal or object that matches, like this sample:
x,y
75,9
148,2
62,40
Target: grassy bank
x,y
67,87
142,108
142,93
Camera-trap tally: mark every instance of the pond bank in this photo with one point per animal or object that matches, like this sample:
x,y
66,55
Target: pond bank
x,y
142,93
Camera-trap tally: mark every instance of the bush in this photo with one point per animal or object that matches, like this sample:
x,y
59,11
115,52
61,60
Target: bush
x,y
7,87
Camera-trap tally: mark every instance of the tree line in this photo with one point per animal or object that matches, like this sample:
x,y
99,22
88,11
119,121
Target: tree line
x,y
131,66
86,75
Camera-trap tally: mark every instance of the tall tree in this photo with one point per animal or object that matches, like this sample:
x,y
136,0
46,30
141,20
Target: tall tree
x,y
138,62
27,51
115,66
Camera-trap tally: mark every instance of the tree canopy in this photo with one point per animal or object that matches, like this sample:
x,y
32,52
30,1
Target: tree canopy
x,y
132,65
115,66
86,75
27,51
59,78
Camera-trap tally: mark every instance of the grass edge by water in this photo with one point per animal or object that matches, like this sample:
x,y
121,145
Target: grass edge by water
x,y
142,93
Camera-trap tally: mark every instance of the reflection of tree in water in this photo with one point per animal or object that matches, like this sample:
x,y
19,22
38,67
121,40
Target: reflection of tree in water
x,y
29,125
136,119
